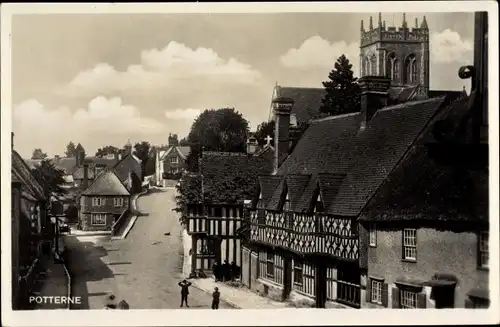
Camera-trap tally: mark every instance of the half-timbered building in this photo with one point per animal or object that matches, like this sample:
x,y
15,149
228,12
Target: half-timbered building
x,y
214,209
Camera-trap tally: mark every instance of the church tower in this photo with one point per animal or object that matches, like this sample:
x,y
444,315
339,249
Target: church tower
x,y
402,54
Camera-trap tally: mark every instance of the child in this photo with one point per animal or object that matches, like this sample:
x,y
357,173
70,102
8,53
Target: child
x,y
215,299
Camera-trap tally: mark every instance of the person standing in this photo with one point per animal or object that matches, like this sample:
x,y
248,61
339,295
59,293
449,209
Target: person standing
x,y
215,299
225,271
217,271
184,292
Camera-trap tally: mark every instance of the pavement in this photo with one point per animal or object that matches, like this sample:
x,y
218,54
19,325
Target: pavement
x,y
142,269
54,282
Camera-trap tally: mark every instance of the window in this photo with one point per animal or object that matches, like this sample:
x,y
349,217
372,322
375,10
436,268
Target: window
x,y
298,267
408,299
410,244
373,65
376,296
118,202
319,205
390,65
395,65
373,235
174,160
411,69
259,201
173,170
270,265
97,202
483,249
286,207
98,219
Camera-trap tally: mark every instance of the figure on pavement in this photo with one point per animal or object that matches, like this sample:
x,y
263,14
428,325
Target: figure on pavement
x,y
184,292
225,271
123,305
110,302
217,271
235,271
215,299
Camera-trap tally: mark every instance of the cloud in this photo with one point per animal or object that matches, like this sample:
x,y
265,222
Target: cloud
x,y
101,121
182,114
318,52
176,65
448,46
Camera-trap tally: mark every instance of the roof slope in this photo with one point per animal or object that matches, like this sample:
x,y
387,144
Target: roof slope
x,y
421,188
230,177
377,150
107,183
306,101
184,151
78,174
129,163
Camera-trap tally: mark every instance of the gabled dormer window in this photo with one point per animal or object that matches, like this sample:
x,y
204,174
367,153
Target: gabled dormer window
x,y
259,201
318,206
286,206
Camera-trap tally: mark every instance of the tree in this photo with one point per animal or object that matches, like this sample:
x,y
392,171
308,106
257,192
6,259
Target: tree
x,y
216,130
70,150
264,130
109,149
343,94
184,142
38,154
49,177
142,151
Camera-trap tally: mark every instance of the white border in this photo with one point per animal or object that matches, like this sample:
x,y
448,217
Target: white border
x,y
248,317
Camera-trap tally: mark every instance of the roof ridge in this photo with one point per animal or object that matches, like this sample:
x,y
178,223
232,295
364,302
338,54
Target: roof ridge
x,y
225,153
411,103
301,87
319,120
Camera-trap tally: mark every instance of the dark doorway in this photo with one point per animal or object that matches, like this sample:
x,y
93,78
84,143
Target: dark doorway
x,y
287,276
444,296
320,284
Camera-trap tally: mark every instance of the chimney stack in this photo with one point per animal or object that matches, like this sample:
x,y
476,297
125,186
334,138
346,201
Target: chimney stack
x,y
374,96
282,108
85,175
56,159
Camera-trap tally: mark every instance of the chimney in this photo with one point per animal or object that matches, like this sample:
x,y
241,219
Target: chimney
x,y
119,156
251,145
56,159
282,108
173,140
85,175
374,96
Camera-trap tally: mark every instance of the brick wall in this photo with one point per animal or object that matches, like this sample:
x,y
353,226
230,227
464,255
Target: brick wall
x,y
443,252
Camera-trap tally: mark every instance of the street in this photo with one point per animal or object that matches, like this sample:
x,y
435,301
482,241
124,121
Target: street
x,y
143,269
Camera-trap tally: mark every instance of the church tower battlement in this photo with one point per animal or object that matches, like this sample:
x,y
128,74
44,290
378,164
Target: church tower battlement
x,y
402,54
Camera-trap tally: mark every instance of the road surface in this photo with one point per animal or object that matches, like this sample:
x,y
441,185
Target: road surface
x,y
143,269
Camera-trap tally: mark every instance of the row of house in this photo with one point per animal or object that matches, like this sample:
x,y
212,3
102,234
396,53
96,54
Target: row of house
x,y
386,207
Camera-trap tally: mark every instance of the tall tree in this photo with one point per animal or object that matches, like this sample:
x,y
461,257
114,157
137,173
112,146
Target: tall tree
x,y
109,149
38,154
264,130
217,130
184,142
343,94
141,151
49,177
70,150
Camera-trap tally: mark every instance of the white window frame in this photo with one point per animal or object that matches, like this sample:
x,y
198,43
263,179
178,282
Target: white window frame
x,y
174,160
372,232
408,299
298,265
484,249
97,216
270,260
286,205
410,244
118,202
376,290
97,202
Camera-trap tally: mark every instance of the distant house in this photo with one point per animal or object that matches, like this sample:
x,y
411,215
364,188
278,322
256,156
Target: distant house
x,y
172,162
103,202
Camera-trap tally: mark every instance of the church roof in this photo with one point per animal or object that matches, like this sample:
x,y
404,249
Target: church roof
x,y
230,177
107,183
307,101
422,189
79,147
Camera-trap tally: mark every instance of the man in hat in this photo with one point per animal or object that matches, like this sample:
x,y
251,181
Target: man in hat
x,y
184,292
215,299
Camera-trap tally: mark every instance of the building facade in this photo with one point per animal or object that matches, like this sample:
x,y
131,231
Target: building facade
x,y
171,163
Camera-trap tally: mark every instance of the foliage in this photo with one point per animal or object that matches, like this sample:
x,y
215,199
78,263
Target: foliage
x,y
263,130
72,213
109,149
70,150
343,94
184,142
142,151
222,130
50,177
38,154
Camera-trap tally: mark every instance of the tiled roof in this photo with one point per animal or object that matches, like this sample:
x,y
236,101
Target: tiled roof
x,y
129,163
190,188
268,185
276,197
421,188
231,177
378,149
323,146
78,174
329,185
102,161
107,183
306,101
296,185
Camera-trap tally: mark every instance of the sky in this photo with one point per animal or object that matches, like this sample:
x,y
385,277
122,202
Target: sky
x,y
104,79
